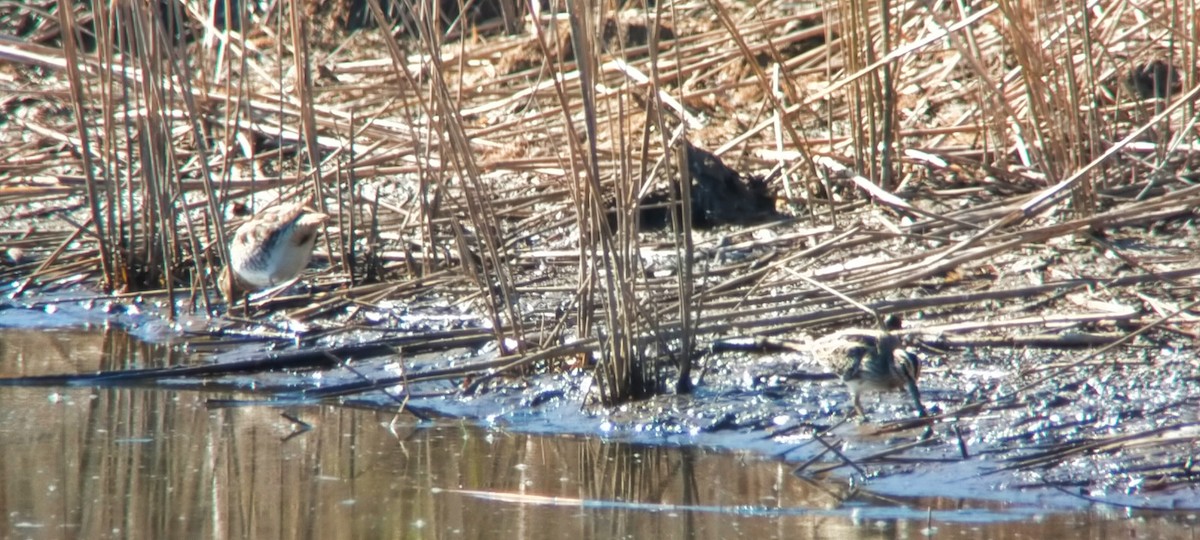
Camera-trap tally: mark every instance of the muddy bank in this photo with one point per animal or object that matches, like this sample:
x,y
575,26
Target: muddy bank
x,y
1011,424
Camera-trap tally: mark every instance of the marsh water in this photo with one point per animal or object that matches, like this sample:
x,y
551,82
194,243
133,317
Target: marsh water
x,y
122,462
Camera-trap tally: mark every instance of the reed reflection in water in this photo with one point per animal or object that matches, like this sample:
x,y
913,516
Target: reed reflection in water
x,y
152,463
136,463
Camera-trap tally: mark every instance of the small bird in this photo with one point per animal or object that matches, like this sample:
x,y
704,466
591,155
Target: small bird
x,y
269,249
870,360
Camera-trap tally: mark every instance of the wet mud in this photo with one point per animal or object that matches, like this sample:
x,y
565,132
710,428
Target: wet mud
x,y
1119,428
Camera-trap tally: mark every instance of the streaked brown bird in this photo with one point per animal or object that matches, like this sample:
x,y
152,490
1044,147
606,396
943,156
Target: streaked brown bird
x,y
270,249
870,360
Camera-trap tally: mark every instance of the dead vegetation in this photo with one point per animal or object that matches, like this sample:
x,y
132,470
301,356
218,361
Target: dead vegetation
x,y
1009,173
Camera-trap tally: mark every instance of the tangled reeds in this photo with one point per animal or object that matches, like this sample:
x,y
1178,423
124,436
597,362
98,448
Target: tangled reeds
x,y
935,157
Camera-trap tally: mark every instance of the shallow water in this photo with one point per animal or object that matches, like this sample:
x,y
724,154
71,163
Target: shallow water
x,y
153,463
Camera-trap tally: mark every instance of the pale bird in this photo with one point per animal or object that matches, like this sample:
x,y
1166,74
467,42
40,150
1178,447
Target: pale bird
x,y
269,249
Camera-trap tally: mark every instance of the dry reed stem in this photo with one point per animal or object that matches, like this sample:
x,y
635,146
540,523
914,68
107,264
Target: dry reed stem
x,y
472,182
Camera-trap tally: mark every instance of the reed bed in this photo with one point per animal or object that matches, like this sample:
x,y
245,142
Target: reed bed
x,y
980,167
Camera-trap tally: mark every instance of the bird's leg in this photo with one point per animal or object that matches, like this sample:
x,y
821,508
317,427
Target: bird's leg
x,y
916,396
241,305
858,407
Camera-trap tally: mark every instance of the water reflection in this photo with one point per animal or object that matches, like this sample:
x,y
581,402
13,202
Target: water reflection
x,y
55,351
138,463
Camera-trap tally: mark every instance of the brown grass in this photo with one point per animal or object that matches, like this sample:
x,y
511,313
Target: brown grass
x,y
479,167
